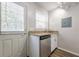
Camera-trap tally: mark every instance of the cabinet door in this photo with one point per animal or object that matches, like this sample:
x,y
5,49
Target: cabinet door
x,y
34,46
1,48
53,42
7,48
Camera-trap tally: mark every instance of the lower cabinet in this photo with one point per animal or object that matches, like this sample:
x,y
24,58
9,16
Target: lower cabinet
x,y
42,48
13,47
54,38
34,46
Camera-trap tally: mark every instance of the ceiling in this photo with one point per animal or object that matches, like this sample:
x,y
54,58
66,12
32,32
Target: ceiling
x,y
48,5
52,5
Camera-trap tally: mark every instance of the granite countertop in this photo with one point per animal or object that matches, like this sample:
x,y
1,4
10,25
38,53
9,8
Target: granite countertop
x,y
41,33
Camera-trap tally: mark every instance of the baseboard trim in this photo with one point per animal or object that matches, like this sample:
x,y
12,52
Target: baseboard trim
x,y
68,51
52,52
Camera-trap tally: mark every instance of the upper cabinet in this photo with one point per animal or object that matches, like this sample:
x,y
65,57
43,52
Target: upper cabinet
x,y
41,19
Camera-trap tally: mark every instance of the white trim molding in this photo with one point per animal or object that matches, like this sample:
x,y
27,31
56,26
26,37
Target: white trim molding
x,y
68,51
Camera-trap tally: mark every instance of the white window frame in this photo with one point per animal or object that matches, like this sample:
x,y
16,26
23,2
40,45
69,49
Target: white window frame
x,y
13,32
39,19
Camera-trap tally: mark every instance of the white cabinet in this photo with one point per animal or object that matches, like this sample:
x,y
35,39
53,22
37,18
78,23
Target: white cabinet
x,y
53,41
34,46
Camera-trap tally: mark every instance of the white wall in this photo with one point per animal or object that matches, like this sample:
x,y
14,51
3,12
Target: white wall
x,y
68,37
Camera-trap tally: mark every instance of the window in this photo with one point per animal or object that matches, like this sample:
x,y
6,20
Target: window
x,y
12,17
41,19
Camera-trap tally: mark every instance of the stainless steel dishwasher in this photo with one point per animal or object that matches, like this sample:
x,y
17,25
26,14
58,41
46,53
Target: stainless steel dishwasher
x,y
45,45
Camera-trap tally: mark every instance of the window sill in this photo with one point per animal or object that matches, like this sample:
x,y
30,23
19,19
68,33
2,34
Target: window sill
x,y
12,33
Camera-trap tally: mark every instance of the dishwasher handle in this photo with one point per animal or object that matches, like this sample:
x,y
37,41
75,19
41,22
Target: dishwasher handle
x,y
45,37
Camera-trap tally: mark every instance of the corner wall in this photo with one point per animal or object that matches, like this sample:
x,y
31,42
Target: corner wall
x,y
68,37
